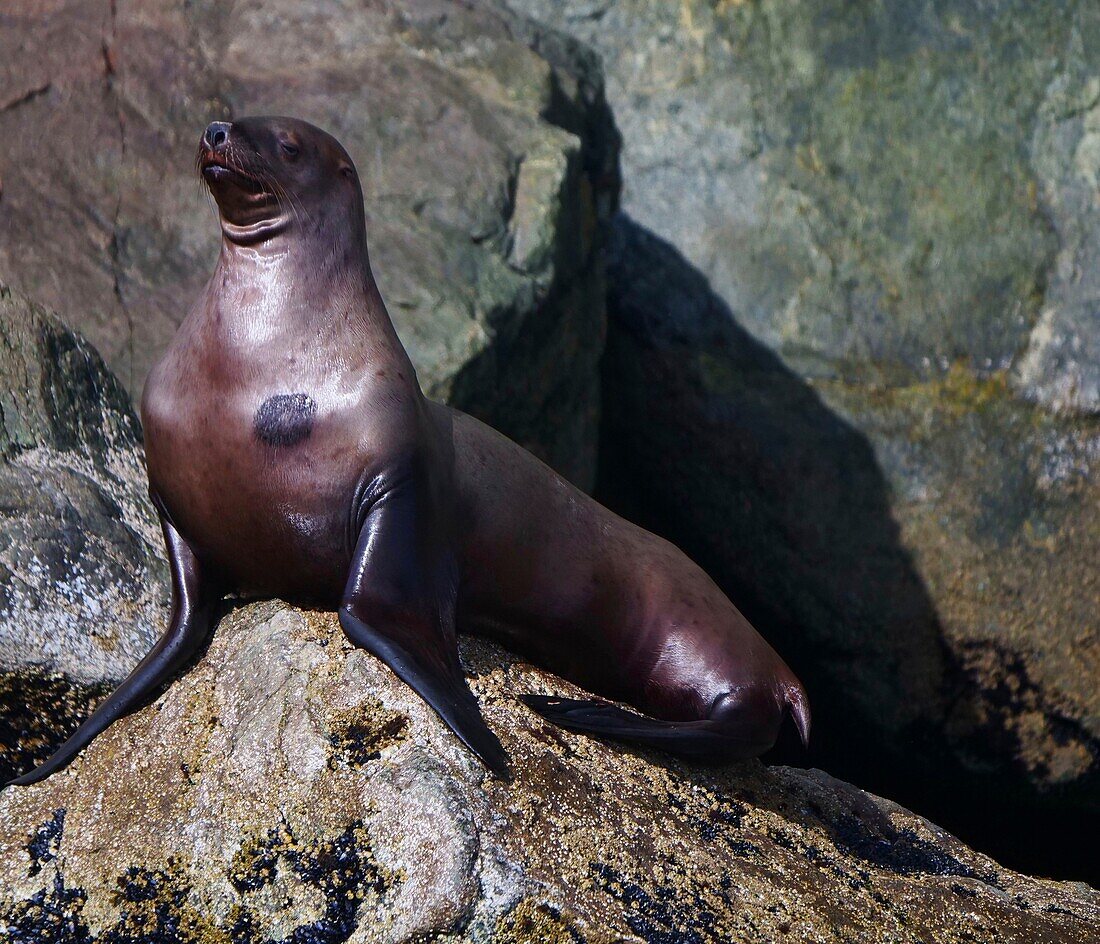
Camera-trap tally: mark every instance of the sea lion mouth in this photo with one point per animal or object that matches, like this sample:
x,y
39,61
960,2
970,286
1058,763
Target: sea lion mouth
x,y
248,203
217,169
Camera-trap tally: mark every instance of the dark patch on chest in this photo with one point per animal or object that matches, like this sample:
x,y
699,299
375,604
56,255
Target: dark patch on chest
x,y
284,419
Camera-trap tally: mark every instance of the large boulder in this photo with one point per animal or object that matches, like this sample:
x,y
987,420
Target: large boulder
x,y
485,150
852,368
290,788
83,587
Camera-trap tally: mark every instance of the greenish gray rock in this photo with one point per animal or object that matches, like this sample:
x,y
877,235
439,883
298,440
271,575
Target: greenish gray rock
x,y
1061,366
487,168
852,368
290,788
83,587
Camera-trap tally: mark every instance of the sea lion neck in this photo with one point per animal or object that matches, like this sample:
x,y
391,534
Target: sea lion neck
x,y
290,287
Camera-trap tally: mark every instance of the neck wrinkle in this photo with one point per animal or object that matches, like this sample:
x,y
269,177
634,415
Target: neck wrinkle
x,y
283,292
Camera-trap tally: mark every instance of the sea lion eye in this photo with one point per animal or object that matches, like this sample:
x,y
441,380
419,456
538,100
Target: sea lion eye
x,y
289,148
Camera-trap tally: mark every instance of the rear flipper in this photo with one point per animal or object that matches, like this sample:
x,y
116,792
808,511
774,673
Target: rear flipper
x,y
726,735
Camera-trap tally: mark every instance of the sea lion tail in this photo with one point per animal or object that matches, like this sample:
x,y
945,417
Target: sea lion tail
x,y
713,740
799,707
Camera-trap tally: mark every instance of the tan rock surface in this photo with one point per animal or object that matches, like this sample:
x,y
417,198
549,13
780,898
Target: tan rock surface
x,y
289,788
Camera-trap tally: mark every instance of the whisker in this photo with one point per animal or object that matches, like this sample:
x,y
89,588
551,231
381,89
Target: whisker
x,y
258,170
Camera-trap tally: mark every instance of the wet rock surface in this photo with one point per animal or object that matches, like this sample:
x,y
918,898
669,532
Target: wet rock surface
x,y
852,365
288,787
487,168
83,588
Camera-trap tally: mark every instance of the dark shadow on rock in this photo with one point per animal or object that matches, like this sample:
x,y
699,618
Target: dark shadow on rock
x,y
709,440
37,714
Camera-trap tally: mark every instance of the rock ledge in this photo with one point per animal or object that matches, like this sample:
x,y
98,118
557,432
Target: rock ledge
x,y
289,788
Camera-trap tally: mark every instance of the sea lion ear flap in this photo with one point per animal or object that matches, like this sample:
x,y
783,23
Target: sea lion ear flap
x,y
399,605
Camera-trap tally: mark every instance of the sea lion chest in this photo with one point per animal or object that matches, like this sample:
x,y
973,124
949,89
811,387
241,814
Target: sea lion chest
x,y
260,475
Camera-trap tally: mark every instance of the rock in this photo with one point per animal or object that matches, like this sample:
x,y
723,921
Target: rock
x,y
289,787
852,367
487,168
83,587
1061,366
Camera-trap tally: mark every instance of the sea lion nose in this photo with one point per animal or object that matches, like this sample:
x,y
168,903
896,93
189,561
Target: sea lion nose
x,y
216,135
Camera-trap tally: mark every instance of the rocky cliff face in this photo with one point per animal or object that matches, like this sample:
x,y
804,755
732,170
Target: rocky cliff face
x,y
82,584
852,368
487,167
289,788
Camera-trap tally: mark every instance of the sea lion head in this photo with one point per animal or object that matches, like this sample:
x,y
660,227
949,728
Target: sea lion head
x,y
272,176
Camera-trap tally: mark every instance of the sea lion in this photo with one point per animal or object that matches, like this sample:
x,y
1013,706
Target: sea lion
x,y
291,453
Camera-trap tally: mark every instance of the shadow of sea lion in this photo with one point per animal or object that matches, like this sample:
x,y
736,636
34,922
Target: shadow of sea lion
x,y
709,440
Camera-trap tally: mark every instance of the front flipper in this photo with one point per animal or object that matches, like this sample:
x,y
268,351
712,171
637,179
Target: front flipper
x,y
193,603
399,605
